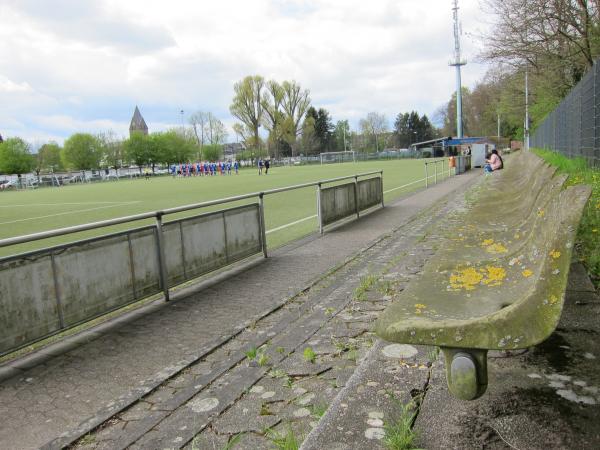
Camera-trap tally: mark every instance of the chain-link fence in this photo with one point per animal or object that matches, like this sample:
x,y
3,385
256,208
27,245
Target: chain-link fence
x,y
573,128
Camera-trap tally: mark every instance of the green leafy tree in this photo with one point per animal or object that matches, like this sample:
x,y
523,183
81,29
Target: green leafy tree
x,y
112,150
296,102
172,147
15,157
138,149
341,135
82,151
48,158
212,152
374,126
317,131
247,105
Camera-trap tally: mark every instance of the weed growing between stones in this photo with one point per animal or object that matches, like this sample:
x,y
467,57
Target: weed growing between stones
x,y
309,355
399,434
257,355
287,441
343,347
318,410
385,288
366,283
432,353
251,353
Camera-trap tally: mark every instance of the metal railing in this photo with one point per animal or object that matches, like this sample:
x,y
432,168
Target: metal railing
x,y
159,214
94,276
435,166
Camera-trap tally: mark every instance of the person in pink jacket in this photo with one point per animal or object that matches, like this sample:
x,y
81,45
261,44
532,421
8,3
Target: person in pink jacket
x,y
494,162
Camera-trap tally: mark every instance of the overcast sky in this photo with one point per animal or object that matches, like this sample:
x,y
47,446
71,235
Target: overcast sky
x,y
70,66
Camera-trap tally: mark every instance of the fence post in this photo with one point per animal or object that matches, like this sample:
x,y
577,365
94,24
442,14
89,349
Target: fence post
x,y
356,197
162,264
435,170
381,187
319,215
426,176
263,226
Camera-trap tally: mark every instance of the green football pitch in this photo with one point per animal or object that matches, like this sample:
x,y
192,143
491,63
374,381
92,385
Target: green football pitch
x,y
288,215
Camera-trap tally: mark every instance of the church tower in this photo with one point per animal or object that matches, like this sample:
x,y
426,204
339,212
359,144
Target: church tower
x,y
138,124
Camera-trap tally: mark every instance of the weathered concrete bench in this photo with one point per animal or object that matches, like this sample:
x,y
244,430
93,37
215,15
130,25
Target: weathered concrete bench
x,y
499,284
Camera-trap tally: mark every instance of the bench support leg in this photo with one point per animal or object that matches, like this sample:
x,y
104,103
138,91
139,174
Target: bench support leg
x,y
466,372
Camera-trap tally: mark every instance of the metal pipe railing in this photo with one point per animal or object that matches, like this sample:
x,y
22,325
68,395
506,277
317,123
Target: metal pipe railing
x,y
156,214
435,163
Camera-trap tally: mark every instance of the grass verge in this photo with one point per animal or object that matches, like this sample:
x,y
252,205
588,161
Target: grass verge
x,y
588,235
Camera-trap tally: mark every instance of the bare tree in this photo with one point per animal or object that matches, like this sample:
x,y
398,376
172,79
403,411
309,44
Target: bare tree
x,y
215,130
560,36
198,121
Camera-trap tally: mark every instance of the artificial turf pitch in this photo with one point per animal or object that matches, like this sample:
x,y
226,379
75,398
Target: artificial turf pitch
x,y
30,211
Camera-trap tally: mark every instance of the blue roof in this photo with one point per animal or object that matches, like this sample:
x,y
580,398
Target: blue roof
x,y
467,140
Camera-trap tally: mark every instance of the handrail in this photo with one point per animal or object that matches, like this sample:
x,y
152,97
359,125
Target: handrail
x,y
158,214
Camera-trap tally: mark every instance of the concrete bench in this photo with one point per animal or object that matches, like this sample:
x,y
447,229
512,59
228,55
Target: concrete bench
x,y
499,284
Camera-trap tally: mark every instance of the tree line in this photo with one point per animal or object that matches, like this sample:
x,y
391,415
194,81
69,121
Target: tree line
x,y
555,43
292,126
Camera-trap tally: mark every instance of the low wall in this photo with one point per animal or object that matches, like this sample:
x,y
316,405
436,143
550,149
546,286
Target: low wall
x,y
47,291
345,200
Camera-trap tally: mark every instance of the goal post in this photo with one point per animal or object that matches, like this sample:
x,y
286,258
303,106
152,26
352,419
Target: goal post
x,y
337,157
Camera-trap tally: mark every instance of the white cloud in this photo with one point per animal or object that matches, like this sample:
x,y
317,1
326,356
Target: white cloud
x,y
68,66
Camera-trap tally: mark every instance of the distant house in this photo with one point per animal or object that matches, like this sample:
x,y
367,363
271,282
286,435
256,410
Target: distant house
x,y
232,149
138,124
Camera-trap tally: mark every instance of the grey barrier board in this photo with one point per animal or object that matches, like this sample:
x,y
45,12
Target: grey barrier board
x,y
28,306
337,202
173,252
94,278
201,244
46,291
369,193
242,228
144,261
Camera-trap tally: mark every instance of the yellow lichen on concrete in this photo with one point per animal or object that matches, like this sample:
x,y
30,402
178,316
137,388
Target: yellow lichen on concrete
x,y
527,273
494,276
469,278
465,279
555,254
493,247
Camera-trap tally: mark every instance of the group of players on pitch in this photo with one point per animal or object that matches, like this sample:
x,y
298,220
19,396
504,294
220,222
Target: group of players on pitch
x,y
214,168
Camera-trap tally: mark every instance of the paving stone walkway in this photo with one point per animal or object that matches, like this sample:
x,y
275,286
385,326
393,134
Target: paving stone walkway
x,y
189,373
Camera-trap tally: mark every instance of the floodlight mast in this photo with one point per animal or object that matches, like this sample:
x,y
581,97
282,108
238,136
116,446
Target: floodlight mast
x,y
457,62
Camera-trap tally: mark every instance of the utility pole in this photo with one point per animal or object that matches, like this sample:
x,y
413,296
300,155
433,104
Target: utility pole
x,y
526,127
498,113
457,62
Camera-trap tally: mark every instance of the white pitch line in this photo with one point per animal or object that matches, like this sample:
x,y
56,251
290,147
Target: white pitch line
x,y
65,213
313,216
69,203
290,224
406,185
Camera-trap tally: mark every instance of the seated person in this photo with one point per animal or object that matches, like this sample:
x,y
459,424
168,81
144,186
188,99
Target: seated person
x,y
494,162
